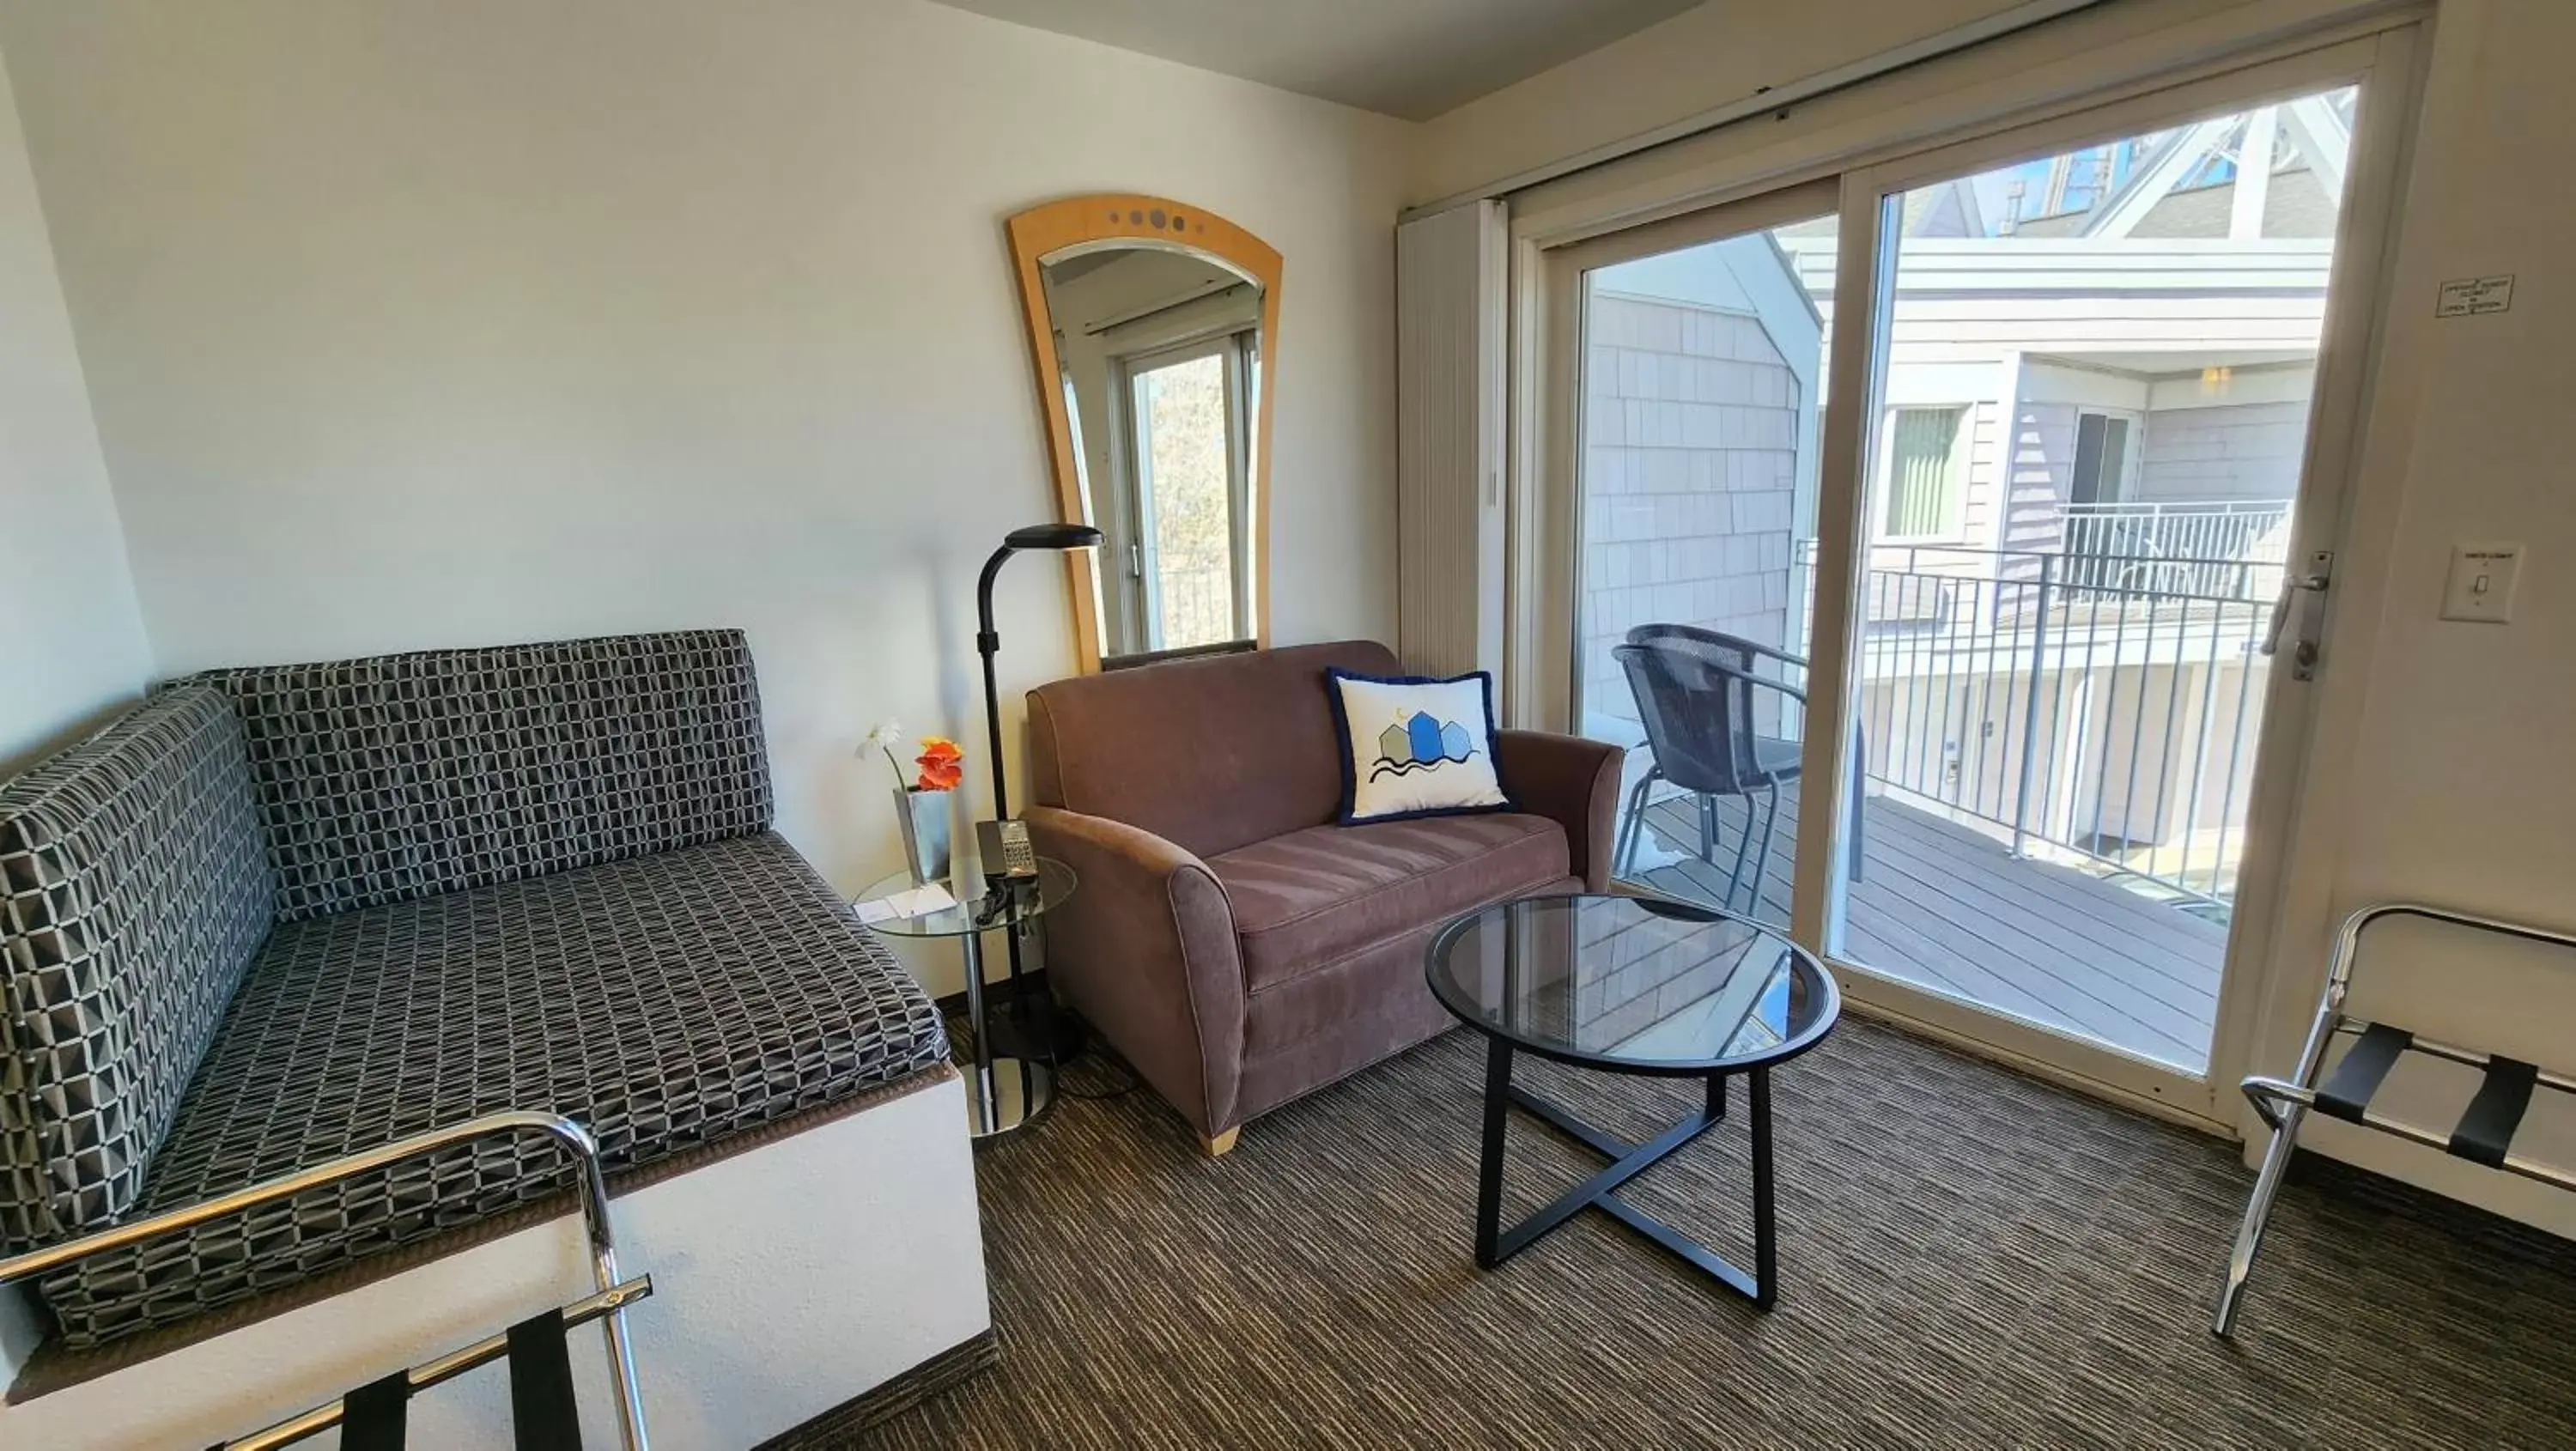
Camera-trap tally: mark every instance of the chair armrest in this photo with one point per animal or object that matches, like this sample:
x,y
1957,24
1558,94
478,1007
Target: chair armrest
x,y
1757,682
1571,781
1145,949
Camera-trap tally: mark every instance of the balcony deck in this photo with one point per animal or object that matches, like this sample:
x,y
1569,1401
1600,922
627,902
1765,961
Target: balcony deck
x,y
1944,906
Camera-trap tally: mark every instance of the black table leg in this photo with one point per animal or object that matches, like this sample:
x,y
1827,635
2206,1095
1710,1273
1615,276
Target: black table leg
x,y
1495,1244
1489,1170
1766,1284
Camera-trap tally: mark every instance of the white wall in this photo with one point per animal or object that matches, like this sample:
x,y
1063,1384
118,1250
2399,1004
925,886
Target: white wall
x,y
77,646
488,321
2245,452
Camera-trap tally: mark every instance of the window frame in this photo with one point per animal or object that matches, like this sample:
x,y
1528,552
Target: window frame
x,y
1238,362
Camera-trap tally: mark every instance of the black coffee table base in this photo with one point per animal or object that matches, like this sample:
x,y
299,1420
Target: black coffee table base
x,y
1495,1244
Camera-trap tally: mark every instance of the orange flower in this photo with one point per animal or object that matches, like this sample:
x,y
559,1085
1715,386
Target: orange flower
x,y
942,764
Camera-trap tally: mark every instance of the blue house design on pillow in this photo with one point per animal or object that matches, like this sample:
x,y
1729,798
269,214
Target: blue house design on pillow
x,y
1420,744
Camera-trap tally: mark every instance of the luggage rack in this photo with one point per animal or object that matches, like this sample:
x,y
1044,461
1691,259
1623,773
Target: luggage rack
x,y
2483,1135
372,1416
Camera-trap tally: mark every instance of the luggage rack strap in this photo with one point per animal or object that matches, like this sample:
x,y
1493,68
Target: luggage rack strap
x,y
2346,1095
400,1385
2485,1132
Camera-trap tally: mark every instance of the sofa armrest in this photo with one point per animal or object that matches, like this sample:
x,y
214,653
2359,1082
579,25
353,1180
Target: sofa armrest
x,y
1145,948
1573,782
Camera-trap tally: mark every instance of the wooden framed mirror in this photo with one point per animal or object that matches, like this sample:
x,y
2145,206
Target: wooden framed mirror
x,y
1154,328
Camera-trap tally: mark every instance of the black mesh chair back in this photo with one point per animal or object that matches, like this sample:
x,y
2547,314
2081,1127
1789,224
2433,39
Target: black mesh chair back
x,y
1696,712
1694,695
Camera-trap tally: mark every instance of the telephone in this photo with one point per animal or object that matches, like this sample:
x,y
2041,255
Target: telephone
x,y
1002,849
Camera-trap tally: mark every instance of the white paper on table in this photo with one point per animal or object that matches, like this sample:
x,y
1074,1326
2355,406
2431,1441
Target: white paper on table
x,y
918,902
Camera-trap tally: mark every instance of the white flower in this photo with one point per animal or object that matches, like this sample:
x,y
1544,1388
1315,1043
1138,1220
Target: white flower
x,y
885,737
883,741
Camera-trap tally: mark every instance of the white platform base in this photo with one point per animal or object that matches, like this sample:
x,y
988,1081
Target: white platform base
x,y
787,1280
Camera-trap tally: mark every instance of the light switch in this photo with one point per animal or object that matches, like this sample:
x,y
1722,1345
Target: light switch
x,y
2481,584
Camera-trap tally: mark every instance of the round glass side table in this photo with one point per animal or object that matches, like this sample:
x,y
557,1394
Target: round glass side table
x,y
1003,1095
1634,985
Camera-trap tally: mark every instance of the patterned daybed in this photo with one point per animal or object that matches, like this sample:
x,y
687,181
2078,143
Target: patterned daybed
x,y
274,915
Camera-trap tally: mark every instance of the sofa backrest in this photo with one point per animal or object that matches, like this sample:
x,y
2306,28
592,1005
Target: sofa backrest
x,y
401,776
1210,754
134,891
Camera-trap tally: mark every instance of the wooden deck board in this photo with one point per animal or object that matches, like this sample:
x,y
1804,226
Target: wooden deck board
x,y
1948,907
2177,974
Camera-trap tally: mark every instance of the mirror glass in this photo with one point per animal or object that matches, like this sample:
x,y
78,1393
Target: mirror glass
x,y
1160,352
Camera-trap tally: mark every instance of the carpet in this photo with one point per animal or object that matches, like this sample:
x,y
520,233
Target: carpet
x,y
1968,1257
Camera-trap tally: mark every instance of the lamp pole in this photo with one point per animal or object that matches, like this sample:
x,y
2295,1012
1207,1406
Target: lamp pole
x,y
988,643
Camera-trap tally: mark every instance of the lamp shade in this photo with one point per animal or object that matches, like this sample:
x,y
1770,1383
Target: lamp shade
x,y
1053,536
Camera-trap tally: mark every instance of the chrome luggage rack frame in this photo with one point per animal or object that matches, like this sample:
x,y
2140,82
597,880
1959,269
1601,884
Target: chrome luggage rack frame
x,y
608,1302
2484,1134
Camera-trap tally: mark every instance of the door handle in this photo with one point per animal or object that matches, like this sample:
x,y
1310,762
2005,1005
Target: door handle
x,y
2297,593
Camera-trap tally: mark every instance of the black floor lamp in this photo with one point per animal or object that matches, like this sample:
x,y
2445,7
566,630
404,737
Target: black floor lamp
x,y
988,643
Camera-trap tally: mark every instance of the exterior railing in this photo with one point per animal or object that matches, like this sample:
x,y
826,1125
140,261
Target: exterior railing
x,y
2191,546
1195,605
2104,711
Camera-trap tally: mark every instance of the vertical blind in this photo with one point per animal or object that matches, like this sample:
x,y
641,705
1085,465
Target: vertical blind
x,y
1923,480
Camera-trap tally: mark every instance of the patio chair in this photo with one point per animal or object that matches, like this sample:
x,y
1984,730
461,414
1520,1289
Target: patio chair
x,y
1695,692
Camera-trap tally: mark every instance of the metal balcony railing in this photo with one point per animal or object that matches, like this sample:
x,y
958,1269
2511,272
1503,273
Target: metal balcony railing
x,y
1194,603
2099,706
2192,546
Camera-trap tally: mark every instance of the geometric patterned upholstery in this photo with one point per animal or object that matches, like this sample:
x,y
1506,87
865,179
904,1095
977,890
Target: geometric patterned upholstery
x,y
400,776
665,1001
133,893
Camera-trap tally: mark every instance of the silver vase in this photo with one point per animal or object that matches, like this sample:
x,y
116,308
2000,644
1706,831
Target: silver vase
x,y
924,816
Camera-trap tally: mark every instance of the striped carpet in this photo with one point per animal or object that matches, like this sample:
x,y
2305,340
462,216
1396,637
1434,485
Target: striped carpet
x,y
1969,1258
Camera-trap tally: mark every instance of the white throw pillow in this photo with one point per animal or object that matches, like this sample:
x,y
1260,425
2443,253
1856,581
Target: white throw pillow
x,y
1415,747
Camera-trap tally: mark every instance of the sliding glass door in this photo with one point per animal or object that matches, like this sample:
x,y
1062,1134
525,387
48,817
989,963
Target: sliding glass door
x,y
1931,528
1703,378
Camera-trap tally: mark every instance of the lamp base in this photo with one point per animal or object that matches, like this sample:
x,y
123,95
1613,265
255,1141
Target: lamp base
x,y
1005,1096
1038,1027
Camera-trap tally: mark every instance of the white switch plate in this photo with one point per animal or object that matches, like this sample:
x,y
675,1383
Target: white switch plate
x,y
2481,584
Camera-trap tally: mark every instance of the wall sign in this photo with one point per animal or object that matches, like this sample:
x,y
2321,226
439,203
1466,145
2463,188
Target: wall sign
x,y
2469,296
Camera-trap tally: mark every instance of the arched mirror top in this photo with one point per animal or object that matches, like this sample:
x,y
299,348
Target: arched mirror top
x,y
1153,328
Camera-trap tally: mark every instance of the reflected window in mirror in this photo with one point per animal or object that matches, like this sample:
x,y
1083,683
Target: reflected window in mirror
x,y
1192,474
1160,353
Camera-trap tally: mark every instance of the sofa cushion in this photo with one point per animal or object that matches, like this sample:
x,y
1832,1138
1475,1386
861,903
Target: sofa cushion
x,y
400,776
665,1002
1307,898
133,892
1208,754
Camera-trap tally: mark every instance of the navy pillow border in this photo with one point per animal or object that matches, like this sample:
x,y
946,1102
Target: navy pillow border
x,y
1334,675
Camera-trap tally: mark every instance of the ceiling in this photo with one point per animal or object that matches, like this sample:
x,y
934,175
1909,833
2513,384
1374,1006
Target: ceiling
x,y
2183,361
1408,58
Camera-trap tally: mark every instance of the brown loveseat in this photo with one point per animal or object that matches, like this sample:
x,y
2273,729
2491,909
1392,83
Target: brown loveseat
x,y
1238,947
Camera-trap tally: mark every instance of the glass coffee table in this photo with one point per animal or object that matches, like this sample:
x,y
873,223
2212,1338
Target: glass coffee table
x,y
1633,985
1003,1095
